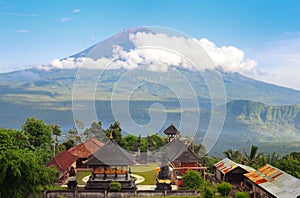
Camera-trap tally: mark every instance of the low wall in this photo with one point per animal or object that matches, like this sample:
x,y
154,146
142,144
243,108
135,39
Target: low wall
x,y
107,194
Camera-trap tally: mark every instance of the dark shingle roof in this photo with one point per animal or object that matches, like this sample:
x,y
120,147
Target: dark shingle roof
x,y
171,130
178,151
189,156
173,149
111,154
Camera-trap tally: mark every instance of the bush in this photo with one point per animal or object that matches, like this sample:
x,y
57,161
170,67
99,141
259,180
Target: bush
x,y
209,192
224,188
242,195
115,187
192,180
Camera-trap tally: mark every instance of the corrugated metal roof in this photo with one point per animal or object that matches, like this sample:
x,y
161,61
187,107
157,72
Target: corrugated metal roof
x,y
276,181
226,165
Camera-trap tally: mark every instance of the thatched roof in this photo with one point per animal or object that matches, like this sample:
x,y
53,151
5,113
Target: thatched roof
x,y
171,130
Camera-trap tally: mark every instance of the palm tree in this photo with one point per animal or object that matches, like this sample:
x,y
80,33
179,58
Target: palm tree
x,y
234,155
253,157
269,159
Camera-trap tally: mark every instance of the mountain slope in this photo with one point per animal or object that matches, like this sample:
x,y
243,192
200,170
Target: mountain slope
x,y
256,111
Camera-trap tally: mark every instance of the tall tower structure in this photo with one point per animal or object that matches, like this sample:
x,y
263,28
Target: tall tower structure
x,y
172,132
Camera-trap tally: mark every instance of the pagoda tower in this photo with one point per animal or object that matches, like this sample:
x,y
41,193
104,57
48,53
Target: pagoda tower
x,y
172,133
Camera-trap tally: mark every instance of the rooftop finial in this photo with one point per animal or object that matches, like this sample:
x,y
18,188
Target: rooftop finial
x,y
111,136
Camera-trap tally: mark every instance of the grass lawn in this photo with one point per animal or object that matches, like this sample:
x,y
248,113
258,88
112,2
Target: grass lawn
x,y
144,167
149,176
81,174
146,171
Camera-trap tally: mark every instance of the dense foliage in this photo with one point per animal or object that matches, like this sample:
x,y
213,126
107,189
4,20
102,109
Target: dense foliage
x,y
224,188
23,155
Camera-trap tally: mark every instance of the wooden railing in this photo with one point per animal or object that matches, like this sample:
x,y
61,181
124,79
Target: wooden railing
x,y
109,171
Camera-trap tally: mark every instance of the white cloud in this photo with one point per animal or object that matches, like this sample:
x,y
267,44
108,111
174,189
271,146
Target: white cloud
x,y
22,31
64,19
153,58
19,14
279,61
76,10
229,58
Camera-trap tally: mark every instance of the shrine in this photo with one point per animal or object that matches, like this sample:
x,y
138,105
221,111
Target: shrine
x,y
180,157
110,164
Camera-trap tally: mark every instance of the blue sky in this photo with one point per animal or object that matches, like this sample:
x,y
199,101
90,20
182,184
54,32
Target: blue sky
x,y
38,31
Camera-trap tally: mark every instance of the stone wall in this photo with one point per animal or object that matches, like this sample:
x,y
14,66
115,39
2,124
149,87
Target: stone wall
x,y
107,194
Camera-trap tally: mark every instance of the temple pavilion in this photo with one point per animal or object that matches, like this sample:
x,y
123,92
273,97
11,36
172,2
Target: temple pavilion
x,y
180,157
110,163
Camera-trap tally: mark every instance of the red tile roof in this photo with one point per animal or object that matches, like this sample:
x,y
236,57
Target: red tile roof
x,y
63,161
87,148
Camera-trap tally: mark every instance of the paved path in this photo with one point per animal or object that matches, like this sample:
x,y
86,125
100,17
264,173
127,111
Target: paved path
x,y
138,179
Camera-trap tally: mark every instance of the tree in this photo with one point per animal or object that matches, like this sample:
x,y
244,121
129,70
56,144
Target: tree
x,y
23,170
116,131
269,159
290,164
209,163
234,155
95,131
38,133
198,149
144,144
68,144
56,131
158,141
22,173
252,159
73,136
129,142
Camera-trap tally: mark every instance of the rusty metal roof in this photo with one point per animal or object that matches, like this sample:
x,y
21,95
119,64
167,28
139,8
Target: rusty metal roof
x,y
275,181
226,165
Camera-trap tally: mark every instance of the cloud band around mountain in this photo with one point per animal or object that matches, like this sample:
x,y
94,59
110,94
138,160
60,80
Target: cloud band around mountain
x,y
229,58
